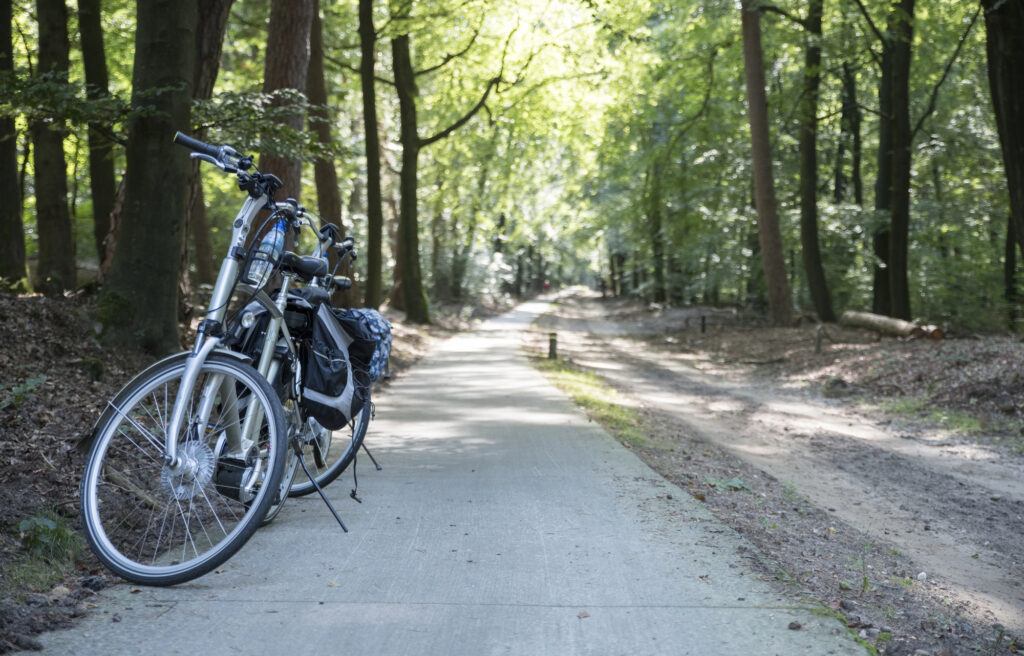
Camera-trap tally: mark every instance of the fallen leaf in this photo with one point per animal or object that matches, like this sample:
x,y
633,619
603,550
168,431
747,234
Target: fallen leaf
x,y
583,614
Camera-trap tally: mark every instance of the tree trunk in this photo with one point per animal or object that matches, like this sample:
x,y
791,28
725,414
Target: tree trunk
x,y
56,268
139,303
808,146
850,86
1004,22
374,211
12,231
209,45
328,193
655,221
287,63
889,325
1010,270
415,300
882,296
101,148
779,304
899,235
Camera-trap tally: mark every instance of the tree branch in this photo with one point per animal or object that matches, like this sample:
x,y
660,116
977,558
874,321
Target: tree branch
x,y
465,118
355,69
933,100
449,57
782,12
871,23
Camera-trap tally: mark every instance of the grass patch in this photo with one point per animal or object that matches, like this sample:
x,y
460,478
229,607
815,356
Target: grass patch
x,y
955,421
46,551
600,401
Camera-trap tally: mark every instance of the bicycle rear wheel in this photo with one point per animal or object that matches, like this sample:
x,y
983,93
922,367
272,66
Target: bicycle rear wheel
x,y
157,526
328,453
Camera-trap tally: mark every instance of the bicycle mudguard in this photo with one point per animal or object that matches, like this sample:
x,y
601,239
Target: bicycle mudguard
x,y
85,442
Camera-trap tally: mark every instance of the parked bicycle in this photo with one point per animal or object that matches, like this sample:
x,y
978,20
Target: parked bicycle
x,y
202,447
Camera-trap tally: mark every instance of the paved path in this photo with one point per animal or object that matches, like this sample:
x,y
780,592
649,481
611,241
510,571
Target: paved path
x,y
503,523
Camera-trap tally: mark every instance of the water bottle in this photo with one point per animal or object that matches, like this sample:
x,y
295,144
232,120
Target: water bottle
x,y
266,255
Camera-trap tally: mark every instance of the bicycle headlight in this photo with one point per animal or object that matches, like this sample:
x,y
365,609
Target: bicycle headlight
x,y
248,320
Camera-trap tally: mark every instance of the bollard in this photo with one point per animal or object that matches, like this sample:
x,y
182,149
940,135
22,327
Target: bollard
x,y
552,346
818,332
703,324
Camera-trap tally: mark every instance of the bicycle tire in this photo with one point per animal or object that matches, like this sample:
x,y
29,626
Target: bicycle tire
x,y
153,526
326,464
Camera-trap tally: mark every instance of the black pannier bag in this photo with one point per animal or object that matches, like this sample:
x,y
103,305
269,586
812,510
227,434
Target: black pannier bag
x,y
336,369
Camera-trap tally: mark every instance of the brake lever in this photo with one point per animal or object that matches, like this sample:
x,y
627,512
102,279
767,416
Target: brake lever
x,y
213,160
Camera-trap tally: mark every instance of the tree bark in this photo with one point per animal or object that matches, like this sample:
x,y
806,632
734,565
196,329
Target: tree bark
x,y
414,297
779,303
1010,270
287,63
138,306
1004,22
209,45
899,235
12,230
101,148
374,211
882,296
889,325
328,192
56,267
808,147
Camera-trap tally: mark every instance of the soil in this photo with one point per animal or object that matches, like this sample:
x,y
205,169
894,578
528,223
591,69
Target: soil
x,y
883,476
788,446
55,377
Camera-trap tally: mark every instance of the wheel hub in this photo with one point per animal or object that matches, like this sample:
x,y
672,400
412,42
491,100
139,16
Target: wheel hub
x,y
194,471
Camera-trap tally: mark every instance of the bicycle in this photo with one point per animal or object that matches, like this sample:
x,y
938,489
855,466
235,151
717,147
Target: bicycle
x,y
192,455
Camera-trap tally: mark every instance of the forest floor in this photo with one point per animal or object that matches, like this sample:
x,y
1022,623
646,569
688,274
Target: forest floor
x,y
55,378
884,476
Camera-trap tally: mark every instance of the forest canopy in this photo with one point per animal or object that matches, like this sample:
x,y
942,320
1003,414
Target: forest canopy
x,y
800,156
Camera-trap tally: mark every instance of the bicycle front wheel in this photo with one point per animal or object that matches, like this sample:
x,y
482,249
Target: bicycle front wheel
x,y
328,453
155,525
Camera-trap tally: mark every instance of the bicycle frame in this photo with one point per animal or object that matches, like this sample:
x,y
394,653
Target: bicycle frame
x,y
207,342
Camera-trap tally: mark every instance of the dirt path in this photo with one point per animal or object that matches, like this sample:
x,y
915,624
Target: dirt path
x,y
953,510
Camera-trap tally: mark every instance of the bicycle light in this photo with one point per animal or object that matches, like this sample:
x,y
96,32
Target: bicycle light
x,y
248,320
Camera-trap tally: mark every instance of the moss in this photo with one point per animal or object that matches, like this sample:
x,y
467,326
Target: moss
x,y
114,310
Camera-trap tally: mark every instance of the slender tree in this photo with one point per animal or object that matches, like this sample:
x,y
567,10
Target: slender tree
x,y
780,305
101,149
328,192
899,236
374,211
1004,21
413,295
56,267
12,232
209,45
138,306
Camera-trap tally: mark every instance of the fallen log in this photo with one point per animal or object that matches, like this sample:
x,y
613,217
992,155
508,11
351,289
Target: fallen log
x,y
889,325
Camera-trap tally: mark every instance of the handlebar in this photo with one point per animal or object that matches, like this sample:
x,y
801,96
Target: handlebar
x,y
224,157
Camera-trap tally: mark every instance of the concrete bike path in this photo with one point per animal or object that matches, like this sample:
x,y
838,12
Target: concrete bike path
x,y
503,523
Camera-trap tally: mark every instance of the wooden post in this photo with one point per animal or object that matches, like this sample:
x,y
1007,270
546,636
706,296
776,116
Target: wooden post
x,y
552,346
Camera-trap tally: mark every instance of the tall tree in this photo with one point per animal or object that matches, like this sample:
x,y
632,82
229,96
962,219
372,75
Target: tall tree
x,y
414,296
902,24
56,267
138,306
808,145
12,232
1004,21
286,66
328,192
209,44
779,303
374,210
101,148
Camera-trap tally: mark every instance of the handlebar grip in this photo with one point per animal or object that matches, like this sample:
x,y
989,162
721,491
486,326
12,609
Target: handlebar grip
x,y
196,145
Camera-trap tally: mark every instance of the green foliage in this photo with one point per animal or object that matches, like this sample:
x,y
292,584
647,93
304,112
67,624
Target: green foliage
x,y
15,395
49,537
